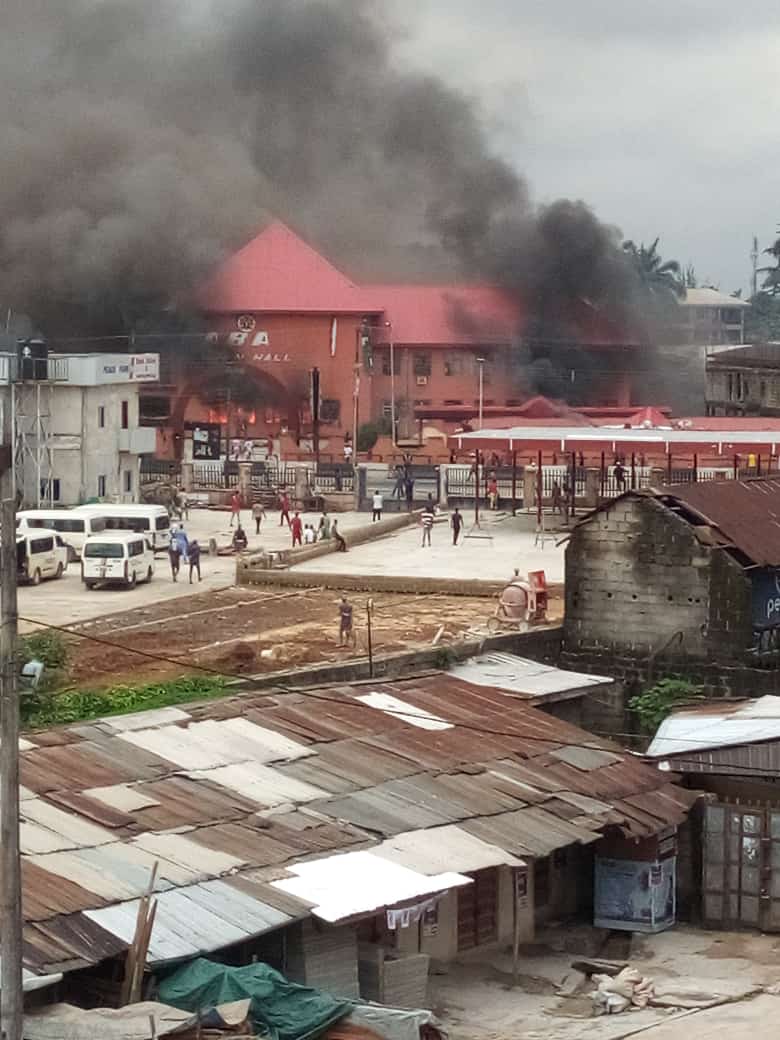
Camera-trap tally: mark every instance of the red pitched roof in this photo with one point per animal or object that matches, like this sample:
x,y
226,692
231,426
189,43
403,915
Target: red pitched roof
x,y
443,315
278,271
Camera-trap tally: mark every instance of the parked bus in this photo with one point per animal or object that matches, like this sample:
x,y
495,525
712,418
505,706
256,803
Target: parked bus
x,y
117,558
150,520
72,526
40,554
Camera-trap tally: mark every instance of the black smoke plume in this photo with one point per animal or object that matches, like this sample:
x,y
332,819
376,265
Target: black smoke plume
x,y
142,139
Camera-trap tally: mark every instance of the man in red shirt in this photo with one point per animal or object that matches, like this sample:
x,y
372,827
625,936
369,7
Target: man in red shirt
x,y
235,509
297,530
284,505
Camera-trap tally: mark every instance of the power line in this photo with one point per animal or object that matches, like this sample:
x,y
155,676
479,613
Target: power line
x,y
311,694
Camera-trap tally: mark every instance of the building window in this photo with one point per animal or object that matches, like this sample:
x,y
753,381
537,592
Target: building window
x,y
101,486
128,480
422,363
386,362
453,364
453,401
50,490
101,416
125,415
387,410
330,410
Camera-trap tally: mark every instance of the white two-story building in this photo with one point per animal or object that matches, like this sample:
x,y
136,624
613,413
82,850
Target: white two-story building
x,y
77,435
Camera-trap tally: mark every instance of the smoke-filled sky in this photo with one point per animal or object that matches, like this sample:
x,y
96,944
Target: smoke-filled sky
x,y
143,138
662,115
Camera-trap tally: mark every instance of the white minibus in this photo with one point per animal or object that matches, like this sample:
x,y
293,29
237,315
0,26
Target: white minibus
x,y
72,526
40,554
116,558
149,520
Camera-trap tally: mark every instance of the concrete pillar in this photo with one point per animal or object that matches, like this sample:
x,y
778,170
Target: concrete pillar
x,y
187,476
443,498
301,484
245,481
592,487
658,476
529,487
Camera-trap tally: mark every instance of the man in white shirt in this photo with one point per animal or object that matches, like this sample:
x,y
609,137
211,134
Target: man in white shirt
x,y
308,535
376,505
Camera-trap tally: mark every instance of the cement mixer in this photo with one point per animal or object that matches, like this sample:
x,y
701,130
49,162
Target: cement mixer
x,y
521,603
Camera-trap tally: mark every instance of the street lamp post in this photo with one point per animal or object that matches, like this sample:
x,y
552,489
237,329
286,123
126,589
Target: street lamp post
x,y
481,363
389,325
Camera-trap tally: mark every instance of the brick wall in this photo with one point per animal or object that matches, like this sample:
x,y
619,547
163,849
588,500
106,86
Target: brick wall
x,y
636,576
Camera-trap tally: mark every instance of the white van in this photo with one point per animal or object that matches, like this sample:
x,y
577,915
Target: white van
x,y
72,526
150,520
116,558
40,554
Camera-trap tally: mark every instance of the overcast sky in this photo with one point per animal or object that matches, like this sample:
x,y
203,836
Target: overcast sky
x,y
663,116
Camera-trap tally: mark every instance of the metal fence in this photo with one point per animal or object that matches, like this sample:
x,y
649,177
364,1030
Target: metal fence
x,y
154,471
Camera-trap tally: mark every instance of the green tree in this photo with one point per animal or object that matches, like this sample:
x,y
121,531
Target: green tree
x,y
771,284
660,281
654,704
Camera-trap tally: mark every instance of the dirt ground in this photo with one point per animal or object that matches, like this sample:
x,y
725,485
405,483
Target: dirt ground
x,y
480,1000
241,631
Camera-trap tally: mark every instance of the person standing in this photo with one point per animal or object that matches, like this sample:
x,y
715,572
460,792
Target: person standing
x,y
323,531
345,622
258,515
297,530
235,508
492,492
182,542
409,488
557,498
175,557
341,545
620,475
456,522
309,537
376,506
194,558
284,506
427,523
400,481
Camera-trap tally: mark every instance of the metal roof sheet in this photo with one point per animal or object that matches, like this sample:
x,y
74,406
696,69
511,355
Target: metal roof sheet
x,y
262,784
355,883
443,848
179,850
585,758
522,676
193,920
717,726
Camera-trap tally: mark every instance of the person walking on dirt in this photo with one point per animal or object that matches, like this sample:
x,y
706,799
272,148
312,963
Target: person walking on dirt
x,y
235,509
194,558
284,505
456,522
341,545
175,557
258,515
376,506
427,523
345,622
297,530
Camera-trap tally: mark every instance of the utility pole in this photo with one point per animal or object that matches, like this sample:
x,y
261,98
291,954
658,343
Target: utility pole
x,y
11,999
754,261
481,363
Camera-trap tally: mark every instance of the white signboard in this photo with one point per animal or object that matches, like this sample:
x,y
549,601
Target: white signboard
x,y
144,368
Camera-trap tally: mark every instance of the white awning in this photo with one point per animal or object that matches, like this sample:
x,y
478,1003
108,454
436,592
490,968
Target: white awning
x,y
358,883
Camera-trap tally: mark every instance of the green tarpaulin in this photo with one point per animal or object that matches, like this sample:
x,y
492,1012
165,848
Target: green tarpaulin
x,y
280,1009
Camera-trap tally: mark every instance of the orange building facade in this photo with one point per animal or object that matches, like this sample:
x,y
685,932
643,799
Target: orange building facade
x,y
277,311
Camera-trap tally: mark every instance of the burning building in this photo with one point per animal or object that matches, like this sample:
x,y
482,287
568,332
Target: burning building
x,y
277,310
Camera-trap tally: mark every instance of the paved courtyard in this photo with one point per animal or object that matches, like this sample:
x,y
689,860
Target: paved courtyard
x,y
490,552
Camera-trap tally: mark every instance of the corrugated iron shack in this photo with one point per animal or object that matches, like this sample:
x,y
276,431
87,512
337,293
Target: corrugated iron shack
x,y
732,751
345,835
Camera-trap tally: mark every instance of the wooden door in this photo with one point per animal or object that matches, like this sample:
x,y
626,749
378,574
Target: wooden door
x,y
478,910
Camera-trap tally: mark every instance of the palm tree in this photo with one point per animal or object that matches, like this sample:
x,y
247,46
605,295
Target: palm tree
x,y
660,281
772,281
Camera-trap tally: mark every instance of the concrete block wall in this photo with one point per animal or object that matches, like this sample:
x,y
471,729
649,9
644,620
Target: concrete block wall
x,y
636,575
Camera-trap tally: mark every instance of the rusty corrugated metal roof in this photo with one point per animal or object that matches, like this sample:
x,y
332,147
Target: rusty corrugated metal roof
x,y
103,803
